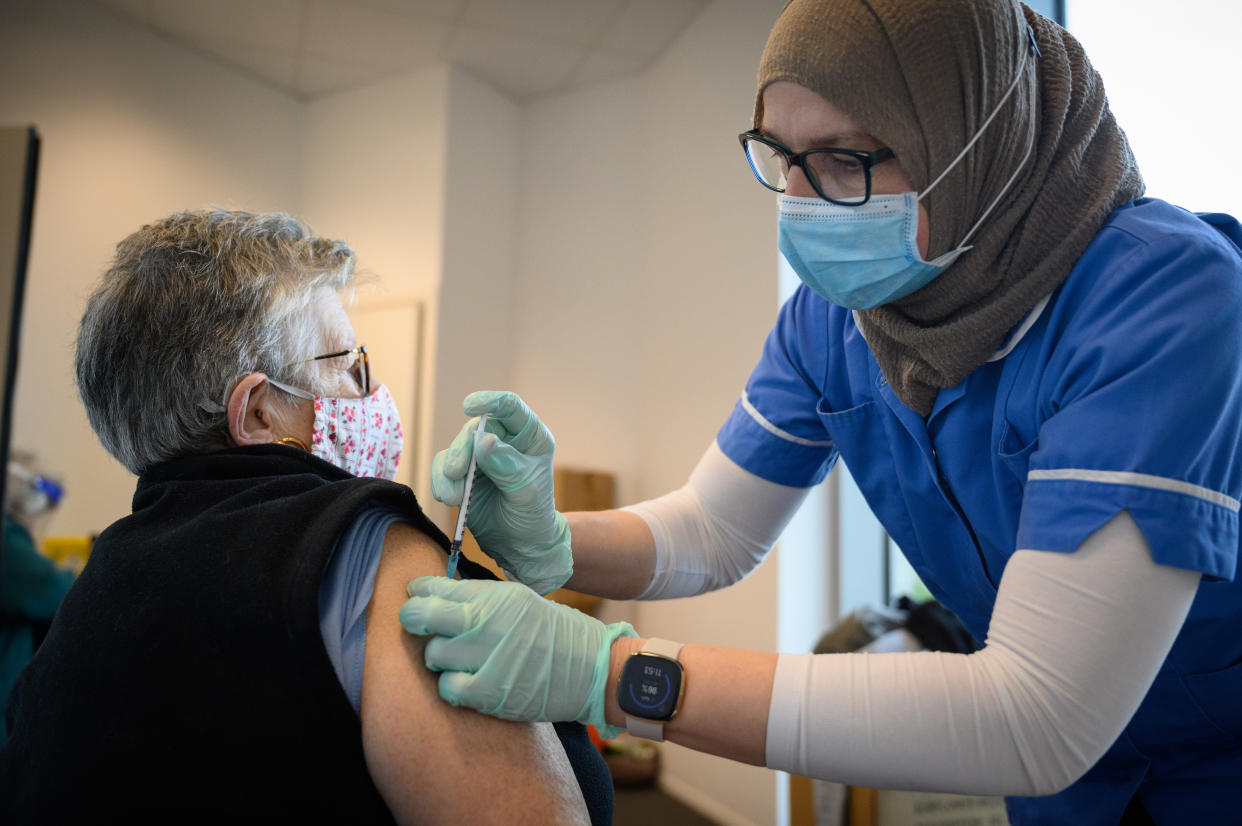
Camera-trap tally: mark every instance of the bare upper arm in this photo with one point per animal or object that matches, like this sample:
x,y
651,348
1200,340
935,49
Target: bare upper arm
x,y
430,761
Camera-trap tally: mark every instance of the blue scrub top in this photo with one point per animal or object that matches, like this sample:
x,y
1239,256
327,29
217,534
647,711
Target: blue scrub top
x,y
1122,391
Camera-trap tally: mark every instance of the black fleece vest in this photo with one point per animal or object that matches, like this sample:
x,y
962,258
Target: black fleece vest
x,y
184,677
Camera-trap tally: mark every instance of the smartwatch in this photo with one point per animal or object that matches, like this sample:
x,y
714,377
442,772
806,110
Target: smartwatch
x,y
650,688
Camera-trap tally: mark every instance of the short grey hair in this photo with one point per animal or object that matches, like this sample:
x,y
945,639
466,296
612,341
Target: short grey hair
x,y
190,305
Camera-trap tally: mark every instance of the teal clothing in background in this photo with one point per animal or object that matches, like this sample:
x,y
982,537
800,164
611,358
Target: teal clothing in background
x,y
31,588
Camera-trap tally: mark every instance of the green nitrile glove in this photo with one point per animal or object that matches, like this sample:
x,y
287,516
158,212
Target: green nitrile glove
x,y
505,651
512,509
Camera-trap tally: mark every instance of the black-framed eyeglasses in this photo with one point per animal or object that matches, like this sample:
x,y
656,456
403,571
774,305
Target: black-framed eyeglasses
x,y
842,176
360,370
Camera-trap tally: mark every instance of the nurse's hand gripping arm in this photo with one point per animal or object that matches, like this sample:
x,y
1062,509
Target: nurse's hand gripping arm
x,y
1075,642
708,534
508,652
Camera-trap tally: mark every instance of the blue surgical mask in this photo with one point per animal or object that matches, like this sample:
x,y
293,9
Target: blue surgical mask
x,y
865,256
858,257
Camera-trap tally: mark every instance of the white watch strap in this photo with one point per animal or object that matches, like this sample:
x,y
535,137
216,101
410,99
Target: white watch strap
x,y
646,729
662,648
652,729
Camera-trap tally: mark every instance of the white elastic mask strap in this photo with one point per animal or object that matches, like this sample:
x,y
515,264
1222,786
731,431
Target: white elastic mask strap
x,y
293,391
979,131
1030,146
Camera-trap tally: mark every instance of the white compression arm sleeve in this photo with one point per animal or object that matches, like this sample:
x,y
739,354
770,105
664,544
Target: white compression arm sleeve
x,y
1075,642
714,530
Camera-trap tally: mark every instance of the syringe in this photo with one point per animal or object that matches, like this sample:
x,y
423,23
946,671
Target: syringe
x,y
460,531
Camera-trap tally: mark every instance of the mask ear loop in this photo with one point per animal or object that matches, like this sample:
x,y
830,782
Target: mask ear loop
x,y
292,391
1030,145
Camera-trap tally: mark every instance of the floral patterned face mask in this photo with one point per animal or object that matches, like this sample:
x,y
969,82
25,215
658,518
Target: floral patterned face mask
x,y
360,436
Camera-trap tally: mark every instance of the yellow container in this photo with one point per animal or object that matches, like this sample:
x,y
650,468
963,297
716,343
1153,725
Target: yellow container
x,y
68,551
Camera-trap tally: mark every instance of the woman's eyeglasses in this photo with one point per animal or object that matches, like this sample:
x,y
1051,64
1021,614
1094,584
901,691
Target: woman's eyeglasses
x,y
842,176
360,370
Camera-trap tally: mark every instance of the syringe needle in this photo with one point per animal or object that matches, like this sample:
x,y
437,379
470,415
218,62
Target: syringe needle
x,y
459,532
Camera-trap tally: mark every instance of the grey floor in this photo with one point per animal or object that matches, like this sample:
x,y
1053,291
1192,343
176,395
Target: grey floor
x,y
648,806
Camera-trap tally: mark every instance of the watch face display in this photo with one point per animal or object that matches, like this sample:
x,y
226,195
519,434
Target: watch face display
x,y
650,687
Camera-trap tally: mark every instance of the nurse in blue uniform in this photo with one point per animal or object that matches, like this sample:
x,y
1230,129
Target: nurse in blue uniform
x,y
1033,372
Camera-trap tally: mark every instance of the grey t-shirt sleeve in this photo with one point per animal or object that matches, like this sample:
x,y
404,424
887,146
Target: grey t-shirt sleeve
x,y
346,591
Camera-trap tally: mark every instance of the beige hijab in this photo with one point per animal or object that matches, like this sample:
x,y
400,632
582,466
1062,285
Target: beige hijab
x,y
922,76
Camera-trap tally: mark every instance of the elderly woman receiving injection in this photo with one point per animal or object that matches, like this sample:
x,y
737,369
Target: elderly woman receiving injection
x,y
232,651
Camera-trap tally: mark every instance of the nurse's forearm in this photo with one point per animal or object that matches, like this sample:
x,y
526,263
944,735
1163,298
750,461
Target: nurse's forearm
x,y
707,535
1074,642
724,707
614,553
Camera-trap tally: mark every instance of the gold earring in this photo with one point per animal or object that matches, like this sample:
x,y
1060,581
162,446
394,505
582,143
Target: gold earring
x,y
292,440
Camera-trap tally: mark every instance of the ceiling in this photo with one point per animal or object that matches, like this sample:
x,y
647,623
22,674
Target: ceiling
x,y
525,48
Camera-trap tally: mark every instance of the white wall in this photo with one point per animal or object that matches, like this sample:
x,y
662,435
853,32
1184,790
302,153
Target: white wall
x,y
646,285
374,174
133,128
473,339
420,174
578,324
